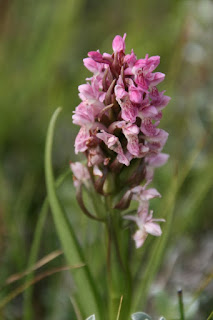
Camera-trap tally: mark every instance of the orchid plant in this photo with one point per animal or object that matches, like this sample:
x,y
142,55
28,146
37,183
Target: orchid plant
x,y
119,117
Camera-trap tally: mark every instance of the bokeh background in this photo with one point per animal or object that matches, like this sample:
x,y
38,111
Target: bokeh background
x,y
42,44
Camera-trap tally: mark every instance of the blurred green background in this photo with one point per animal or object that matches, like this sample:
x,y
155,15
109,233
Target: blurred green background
x,y
42,44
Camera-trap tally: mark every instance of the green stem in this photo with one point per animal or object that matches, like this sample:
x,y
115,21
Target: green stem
x,y
117,268
181,308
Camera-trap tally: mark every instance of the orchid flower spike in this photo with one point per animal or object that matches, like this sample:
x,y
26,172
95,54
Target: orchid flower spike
x,y
119,117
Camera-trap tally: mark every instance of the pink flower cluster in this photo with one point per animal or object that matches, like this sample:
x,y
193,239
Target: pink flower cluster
x,y
119,117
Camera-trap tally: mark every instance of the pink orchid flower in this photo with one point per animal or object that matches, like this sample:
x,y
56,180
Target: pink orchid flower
x,y
147,225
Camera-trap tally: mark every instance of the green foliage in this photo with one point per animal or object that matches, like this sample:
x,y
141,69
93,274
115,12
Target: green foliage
x,y
35,249
87,298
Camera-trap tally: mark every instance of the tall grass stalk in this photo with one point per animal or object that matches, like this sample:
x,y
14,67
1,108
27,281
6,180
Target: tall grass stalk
x,y
87,296
28,313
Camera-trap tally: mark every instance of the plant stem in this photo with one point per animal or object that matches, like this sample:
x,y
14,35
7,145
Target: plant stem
x,y
181,308
118,273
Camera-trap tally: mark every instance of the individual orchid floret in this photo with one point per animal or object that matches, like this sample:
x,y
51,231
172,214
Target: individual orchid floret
x,y
118,43
120,91
81,140
113,144
84,115
95,156
96,68
80,173
98,57
155,161
141,194
129,111
147,225
142,70
159,100
130,59
131,132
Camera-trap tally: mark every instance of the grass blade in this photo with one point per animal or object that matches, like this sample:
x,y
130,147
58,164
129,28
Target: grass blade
x,y
51,256
27,307
86,297
38,278
210,317
119,309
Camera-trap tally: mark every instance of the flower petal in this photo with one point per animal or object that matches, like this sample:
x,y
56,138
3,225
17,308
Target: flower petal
x,y
139,237
118,43
153,228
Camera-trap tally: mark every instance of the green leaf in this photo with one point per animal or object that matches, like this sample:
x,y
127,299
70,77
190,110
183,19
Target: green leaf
x,y
140,316
33,256
210,316
86,296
